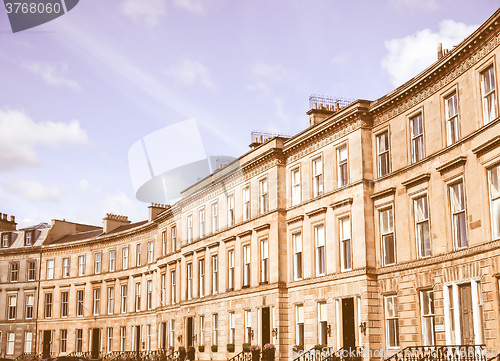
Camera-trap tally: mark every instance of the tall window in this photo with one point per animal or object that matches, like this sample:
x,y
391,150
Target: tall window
x,y
263,196
215,275
215,217
417,138
123,338
111,300
299,325
109,339
97,301
322,323
137,297
97,262
65,268
14,272
112,261
317,167
50,269
64,304
264,261
248,326
125,257
150,252
48,305
296,197
387,235
383,161
346,244
391,321
30,303
457,204
163,282
230,270
230,210
319,240
123,298
202,330
246,203
148,338
28,342
11,338
190,228
189,276
79,302
28,238
494,183
11,307
171,339
6,237
422,226
172,287
78,340
149,296
81,265
31,270
201,278
342,166
297,258
174,238
246,265
138,249
232,328
215,329
451,110
63,341
427,311
488,90
163,243
201,216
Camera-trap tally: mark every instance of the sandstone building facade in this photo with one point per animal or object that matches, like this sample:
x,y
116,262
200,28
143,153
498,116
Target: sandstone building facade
x,y
377,226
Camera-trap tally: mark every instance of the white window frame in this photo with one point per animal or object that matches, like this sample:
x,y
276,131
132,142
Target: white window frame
x,y
246,203
387,235
489,97
296,188
317,176
173,291
231,218
320,249
125,257
428,317
458,214
215,275
11,307
96,309
189,279
215,217
494,195
201,277
137,299
138,251
298,266
452,118
299,325
246,265
111,300
201,217
149,295
342,166
112,261
232,328
80,303
346,251
391,321
65,267
417,137
123,298
190,228
383,153
50,269
422,218
97,263
263,196
264,260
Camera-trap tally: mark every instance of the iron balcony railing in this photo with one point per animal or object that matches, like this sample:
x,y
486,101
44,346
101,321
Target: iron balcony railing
x,y
330,354
441,353
242,356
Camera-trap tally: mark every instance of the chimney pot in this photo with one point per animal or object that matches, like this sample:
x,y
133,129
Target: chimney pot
x,y
12,219
315,105
440,50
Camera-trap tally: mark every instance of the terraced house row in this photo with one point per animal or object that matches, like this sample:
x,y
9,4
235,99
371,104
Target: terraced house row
x,y
377,226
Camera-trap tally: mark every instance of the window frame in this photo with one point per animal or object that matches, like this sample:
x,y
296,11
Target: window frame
x,y
417,147
298,262
342,166
391,317
390,232
295,182
263,195
247,261
459,215
494,201
383,154
452,121
487,119
231,217
317,177
319,249
421,247
344,240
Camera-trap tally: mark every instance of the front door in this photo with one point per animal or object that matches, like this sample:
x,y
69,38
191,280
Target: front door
x,y
189,331
266,326
46,344
96,338
348,325
466,318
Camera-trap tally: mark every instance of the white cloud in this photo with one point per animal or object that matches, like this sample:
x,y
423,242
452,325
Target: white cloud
x,y
190,72
20,135
266,75
428,5
408,56
32,190
149,11
52,75
194,6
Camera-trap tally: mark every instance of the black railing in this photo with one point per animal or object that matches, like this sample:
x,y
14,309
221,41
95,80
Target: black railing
x,y
441,353
242,356
330,354
495,358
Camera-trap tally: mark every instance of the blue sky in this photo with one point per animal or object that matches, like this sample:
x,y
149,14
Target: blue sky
x,y
78,91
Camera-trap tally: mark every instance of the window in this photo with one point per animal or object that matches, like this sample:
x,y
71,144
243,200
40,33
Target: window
x,y
172,287
79,302
343,178
494,185
248,326
172,333
215,275
201,279
65,268
387,235
50,269
14,272
427,311
123,298
6,237
246,203
31,270
150,252
488,90
202,330
317,167
123,338
28,342
299,325
391,321
109,339
163,285
63,341
28,238
111,300
345,242
163,243
296,187
78,340
64,304
137,297
125,258
322,323
11,307
201,216
264,261
451,110
30,302
190,228
138,248
230,270
48,305
81,265
264,197
11,338
148,338
297,257
383,162
319,240
97,302
215,217
230,210
246,265
417,138
215,329
232,328
149,296
174,238
97,262
422,226
112,261
189,277
457,204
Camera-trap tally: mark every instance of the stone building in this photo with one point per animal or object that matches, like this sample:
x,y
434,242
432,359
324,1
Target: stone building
x,y
377,226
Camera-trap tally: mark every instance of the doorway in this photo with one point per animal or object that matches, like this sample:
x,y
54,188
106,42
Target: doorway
x,y
189,331
266,325
466,317
348,324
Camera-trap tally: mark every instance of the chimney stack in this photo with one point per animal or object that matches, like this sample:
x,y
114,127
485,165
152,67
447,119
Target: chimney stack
x,y
154,210
440,50
113,221
6,225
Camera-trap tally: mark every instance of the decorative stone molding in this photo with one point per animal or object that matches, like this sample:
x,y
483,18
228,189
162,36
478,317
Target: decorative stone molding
x,y
262,227
412,182
342,203
452,164
213,244
383,193
244,233
229,239
487,146
295,219
316,212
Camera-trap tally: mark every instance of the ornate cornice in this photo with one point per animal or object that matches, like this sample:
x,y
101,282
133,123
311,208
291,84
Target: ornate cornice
x,y
487,146
342,203
412,182
316,212
295,219
262,227
245,233
452,164
383,193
